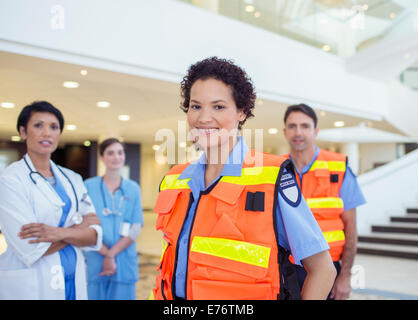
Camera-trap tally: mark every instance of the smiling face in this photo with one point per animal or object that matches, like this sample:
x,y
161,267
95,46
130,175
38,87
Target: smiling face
x,y
213,116
41,134
300,131
113,156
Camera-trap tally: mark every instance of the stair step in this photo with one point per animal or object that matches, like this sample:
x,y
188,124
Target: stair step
x,y
404,252
397,227
410,218
390,238
412,210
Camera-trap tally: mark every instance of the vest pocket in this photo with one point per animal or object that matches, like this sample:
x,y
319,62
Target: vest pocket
x,y
224,290
164,206
322,183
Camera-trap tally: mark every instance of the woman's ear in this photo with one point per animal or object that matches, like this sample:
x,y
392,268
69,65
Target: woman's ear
x,y
22,133
241,116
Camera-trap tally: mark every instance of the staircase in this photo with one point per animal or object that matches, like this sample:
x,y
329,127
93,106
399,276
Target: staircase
x,y
397,239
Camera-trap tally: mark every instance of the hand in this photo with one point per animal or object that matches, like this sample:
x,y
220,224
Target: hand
x,y
43,232
108,267
342,287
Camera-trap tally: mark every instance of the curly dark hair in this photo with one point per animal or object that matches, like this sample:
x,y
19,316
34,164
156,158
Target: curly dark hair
x,y
226,71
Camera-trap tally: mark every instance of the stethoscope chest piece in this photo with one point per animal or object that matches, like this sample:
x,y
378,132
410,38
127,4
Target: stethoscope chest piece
x,y
106,211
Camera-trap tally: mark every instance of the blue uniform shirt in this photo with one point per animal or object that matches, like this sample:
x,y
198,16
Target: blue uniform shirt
x,y
127,202
350,190
298,231
67,254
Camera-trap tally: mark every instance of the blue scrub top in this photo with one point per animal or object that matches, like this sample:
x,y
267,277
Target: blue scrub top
x,y
297,228
127,201
67,254
350,190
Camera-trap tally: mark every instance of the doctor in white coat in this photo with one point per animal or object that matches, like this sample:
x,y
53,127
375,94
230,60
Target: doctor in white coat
x,y
46,216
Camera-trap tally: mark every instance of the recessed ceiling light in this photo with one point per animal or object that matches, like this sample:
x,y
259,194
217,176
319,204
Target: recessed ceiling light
x,y
339,124
257,14
87,143
323,113
326,47
15,138
249,8
83,72
155,147
392,15
7,105
70,84
124,117
273,130
103,104
365,7
71,127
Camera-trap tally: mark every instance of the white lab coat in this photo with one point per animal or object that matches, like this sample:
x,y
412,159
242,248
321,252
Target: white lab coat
x,y
24,272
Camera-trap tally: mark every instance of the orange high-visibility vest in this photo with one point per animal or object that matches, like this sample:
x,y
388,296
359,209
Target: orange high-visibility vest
x,y
233,250
320,187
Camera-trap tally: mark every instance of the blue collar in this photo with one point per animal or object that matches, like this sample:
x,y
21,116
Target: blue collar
x,y
309,165
231,168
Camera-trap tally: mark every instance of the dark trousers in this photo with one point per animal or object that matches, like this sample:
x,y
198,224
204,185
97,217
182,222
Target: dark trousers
x,y
302,275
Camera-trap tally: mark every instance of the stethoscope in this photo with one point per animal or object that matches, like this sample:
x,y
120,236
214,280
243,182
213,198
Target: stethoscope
x,y
77,218
106,211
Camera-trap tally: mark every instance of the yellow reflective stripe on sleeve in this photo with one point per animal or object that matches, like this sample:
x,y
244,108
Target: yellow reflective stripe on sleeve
x,y
254,176
172,182
317,203
244,252
333,236
329,165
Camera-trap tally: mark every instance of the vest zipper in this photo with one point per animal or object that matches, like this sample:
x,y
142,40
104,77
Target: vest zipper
x,y
207,191
173,279
162,289
188,246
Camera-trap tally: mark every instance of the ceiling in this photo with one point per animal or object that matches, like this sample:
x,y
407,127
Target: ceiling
x,y
151,104
342,27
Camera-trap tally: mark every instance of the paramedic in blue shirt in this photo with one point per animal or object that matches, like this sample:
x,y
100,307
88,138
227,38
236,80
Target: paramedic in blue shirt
x,y
300,131
211,90
112,272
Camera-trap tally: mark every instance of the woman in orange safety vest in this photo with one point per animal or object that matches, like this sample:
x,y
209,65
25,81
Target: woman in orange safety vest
x,y
231,218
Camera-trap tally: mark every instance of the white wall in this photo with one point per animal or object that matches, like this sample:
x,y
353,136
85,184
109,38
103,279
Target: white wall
x,y
161,38
371,153
151,175
402,109
389,190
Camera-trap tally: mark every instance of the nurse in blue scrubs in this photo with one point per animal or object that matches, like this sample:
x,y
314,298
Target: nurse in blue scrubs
x,y
112,272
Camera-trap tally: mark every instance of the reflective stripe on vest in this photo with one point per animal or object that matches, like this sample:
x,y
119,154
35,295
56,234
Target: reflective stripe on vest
x,y
249,176
329,202
328,165
240,251
333,236
172,182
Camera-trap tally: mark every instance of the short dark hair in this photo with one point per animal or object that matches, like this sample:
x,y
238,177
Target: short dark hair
x,y
301,108
38,106
226,71
108,142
